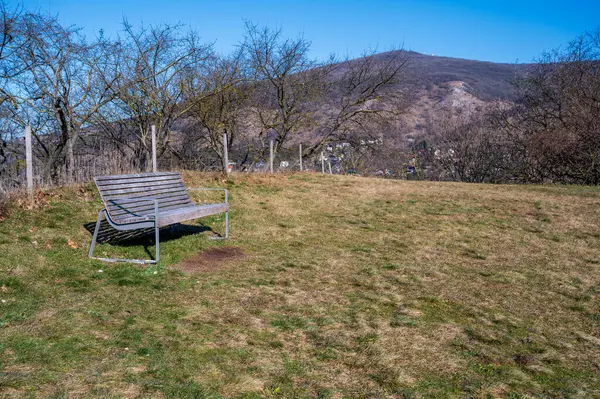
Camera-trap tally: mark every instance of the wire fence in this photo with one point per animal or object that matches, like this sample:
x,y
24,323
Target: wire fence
x,y
100,158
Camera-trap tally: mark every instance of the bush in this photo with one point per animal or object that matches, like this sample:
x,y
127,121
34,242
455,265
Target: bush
x,y
5,204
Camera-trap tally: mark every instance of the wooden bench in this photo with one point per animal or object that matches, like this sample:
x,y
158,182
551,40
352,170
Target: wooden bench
x,y
150,200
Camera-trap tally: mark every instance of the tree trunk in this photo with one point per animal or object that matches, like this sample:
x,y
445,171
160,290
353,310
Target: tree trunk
x,y
70,165
70,161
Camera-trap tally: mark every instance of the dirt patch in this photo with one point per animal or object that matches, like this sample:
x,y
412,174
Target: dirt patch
x,y
212,259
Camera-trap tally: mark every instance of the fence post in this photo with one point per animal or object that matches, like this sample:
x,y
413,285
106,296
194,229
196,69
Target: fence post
x,y
29,162
329,163
322,162
154,168
225,155
300,157
271,156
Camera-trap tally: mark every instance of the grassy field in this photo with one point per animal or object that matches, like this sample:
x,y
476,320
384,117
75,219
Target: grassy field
x,y
330,287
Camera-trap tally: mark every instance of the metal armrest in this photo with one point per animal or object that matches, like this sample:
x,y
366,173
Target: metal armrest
x,y
136,219
212,189
130,223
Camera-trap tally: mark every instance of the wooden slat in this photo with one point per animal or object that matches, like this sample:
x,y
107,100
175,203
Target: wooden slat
x,y
132,204
149,211
160,198
119,218
144,194
127,178
176,215
189,213
130,183
141,187
116,210
136,175
129,200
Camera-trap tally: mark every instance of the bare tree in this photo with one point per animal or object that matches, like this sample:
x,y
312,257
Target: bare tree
x,y
159,66
12,40
287,81
65,86
470,148
558,117
362,96
294,94
219,106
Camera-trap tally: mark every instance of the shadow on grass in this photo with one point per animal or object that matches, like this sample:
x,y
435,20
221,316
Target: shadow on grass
x,y
142,237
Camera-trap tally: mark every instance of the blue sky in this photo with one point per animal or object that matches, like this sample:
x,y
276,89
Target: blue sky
x,y
499,31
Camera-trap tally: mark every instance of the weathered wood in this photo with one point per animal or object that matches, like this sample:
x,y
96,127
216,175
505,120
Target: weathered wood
x,y
29,161
116,190
177,215
322,162
189,213
139,196
109,182
136,175
159,197
133,202
128,186
117,210
300,151
124,195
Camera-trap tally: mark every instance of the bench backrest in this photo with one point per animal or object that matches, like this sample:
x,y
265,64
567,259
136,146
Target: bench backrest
x,y
166,187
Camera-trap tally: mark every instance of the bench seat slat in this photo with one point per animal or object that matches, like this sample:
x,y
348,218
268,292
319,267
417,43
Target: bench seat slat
x,y
118,205
188,213
135,198
178,215
115,214
144,194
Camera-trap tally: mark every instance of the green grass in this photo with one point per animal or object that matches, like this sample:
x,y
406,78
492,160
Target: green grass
x,y
349,287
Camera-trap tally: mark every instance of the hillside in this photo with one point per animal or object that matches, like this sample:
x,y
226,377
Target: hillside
x,y
487,81
330,286
432,85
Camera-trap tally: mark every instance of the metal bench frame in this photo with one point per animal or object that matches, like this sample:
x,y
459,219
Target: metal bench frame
x,y
150,220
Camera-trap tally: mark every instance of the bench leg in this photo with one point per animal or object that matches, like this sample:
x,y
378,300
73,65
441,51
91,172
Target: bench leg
x,y
157,240
101,214
226,229
95,236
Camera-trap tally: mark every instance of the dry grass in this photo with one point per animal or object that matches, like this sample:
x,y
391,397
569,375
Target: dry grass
x,y
348,287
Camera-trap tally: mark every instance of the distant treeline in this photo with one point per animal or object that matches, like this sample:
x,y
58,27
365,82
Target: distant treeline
x,y
551,134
